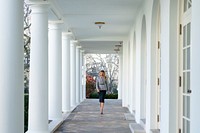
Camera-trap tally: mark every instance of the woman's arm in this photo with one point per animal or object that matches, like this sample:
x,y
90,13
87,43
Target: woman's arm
x,y
97,84
106,81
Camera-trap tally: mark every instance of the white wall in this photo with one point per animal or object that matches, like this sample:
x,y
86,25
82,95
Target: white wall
x,y
169,64
169,39
169,18
152,90
145,11
195,68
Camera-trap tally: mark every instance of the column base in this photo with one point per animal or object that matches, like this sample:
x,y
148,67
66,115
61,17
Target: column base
x,y
37,132
55,124
66,111
66,114
73,107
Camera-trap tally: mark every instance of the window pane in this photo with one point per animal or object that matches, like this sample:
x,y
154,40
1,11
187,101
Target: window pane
x,y
188,59
188,81
188,33
185,5
189,3
186,126
184,36
184,83
184,59
186,106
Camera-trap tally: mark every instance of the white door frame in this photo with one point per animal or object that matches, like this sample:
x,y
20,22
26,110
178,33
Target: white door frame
x,y
185,18
158,67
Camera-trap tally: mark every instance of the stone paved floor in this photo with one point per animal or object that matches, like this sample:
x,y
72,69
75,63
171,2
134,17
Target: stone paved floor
x,y
86,118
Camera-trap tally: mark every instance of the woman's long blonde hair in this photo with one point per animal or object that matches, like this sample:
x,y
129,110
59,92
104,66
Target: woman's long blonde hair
x,y
104,74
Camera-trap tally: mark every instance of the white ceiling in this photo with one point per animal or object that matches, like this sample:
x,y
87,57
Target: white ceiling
x,y
80,16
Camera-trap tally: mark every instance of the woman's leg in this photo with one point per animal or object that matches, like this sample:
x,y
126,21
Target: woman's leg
x,y
101,100
102,103
101,107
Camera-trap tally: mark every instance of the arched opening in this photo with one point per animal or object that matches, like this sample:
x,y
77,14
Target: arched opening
x,y
143,70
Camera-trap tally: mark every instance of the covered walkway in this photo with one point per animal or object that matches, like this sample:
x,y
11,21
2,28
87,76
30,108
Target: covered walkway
x,y
87,119
159,66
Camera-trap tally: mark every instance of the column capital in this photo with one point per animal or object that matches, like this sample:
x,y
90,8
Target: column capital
x,y
56,22
55,25
78,47
82,51
73,43
34,2
39,7
67,34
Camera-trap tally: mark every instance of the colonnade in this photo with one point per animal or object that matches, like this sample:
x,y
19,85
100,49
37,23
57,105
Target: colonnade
x,y
61,68
57,85
56,63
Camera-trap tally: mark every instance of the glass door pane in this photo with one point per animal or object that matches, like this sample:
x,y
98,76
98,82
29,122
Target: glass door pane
x,y
187,4
186,79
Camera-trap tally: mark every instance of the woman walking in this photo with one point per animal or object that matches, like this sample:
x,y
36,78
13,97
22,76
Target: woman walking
x,y
101,86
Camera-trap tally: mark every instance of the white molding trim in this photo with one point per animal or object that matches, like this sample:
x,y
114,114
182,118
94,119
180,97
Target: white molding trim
x,y
32,2
74,41
67,33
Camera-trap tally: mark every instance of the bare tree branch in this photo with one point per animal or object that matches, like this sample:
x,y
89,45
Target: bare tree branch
x,y
107,62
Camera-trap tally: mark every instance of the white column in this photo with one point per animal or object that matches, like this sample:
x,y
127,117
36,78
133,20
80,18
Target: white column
x,y
133,73
38,91
78,74
55,72
84,76
73,72
81,75
125,94
138,82
11,67
66,71
195,68
120,76
131,77
130,69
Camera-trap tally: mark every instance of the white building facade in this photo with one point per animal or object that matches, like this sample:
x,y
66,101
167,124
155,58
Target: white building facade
x,y
159,67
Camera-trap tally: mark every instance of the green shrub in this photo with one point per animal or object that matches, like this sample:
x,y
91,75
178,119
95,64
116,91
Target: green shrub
x,y
26,99
94,95
111,96
107,96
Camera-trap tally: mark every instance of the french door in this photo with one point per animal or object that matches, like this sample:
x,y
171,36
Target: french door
x,y
185,67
